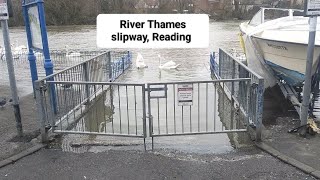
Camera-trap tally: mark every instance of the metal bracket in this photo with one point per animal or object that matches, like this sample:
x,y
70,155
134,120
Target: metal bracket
x,y
157,89
254,85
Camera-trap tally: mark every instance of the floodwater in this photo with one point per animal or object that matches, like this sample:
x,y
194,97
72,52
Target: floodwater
x,y
194,65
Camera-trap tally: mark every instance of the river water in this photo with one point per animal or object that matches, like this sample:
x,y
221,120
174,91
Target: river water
x,y
194,65
194,62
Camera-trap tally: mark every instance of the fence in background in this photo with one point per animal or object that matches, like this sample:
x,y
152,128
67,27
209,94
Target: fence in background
x,y
58,100
60,58
225,66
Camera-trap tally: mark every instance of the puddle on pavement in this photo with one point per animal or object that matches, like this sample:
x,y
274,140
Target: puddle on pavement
x,y
201,144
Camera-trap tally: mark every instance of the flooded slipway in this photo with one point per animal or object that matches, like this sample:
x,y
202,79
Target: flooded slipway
x,y
193,66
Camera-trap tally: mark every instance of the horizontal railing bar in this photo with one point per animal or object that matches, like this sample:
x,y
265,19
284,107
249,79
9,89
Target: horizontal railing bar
x,y
242,65
157,89
139,84
95,83
64,70
157,97
98,133
201,133
201,82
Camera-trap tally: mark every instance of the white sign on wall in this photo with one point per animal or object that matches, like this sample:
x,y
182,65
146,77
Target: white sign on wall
x,y
35,27
4,15
185,94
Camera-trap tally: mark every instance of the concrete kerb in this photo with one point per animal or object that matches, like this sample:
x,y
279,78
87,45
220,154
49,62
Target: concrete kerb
x,y
22,154
303,167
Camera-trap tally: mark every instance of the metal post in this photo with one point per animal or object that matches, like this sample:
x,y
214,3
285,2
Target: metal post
x,y
220,59
307,81
129,57
48,65
259,109
109,66
144,116
41,110
51,111
31,56
86,78
232,92
13,86
123,68
33,68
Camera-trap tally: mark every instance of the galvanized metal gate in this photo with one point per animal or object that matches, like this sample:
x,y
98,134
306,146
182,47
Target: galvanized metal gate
x,y
72,101
197,107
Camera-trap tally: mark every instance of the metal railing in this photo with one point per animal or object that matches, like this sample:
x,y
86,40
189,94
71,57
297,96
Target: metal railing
x,y
60,58
83,99
168,116
224,66
110,108
62,101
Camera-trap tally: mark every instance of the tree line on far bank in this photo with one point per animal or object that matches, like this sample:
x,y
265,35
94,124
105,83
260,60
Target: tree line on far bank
x,y
84,12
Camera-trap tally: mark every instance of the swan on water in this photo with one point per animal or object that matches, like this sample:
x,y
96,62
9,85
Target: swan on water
x,y
71,54
16,48
18,51
167,65
140,62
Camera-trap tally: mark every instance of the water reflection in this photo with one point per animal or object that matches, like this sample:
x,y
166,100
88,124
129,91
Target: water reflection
x,y
193,67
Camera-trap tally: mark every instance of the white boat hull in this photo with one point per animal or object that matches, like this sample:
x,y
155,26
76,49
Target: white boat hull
x,y
287,55
278,48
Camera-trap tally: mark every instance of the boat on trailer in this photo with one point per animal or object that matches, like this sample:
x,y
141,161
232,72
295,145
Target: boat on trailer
x,y
277,40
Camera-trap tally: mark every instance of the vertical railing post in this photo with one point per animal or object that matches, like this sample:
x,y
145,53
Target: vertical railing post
x,y
110,67
144,116
220,64
122,60
259,109
52,110
248,102
41,110
150,115
232,91
86,78
129,57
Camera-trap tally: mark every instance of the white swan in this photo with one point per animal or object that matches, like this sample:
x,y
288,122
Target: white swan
x,y
140,62
167,65
71,54
16,48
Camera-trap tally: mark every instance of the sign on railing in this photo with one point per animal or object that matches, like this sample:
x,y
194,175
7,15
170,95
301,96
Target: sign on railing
x,y
185,94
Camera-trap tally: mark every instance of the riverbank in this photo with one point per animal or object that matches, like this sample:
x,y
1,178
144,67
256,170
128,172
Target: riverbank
x,y
9,143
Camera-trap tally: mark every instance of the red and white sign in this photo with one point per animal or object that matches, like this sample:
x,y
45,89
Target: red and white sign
x,y
185,94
